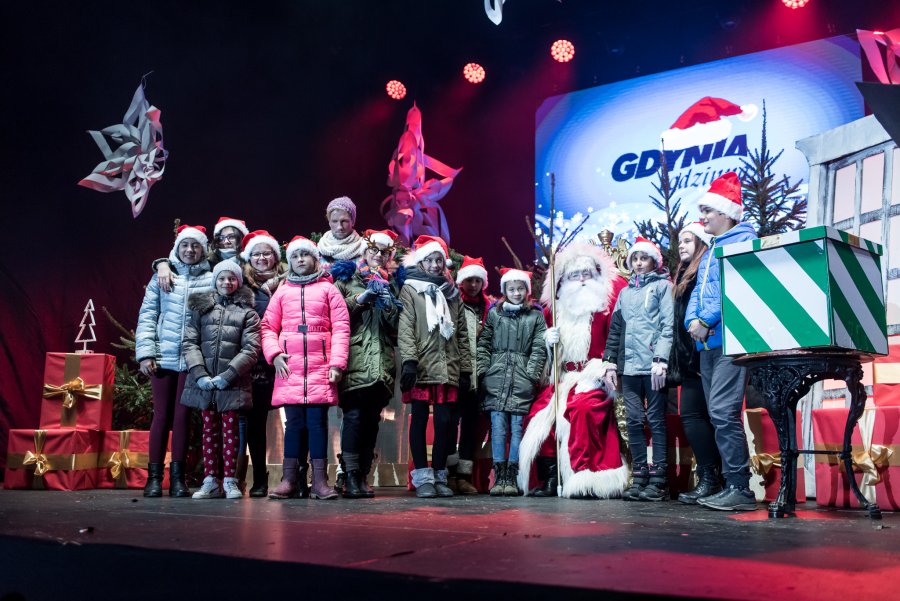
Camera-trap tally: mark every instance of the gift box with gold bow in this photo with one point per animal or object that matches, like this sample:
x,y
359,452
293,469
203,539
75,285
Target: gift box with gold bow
x,y
765,455
876,442
59,459
78,391
123,459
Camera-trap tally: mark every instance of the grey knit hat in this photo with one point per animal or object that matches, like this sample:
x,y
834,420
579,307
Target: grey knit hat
x,y
229,265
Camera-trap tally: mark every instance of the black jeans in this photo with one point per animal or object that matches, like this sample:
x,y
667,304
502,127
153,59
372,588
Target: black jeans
x,y
635,389
464,420
697,426
359,430
418,444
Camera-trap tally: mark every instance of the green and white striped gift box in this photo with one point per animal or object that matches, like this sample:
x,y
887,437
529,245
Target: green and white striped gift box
x,y
813,288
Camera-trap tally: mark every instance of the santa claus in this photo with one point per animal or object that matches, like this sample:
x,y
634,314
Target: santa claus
x,y
590,462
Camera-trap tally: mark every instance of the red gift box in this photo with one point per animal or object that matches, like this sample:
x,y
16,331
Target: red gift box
x,y
765,454
874,448
886,377
123,459
680,457
60,459
78,391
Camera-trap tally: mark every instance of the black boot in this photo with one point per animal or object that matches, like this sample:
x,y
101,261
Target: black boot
x,y
177,486
499,479
365,466
352,488
658,487
640,478
153,488
710,482
511,488
546,469
260,486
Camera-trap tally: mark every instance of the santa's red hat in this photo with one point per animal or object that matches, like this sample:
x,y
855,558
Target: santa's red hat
x,y
254,239
237,224
704,123
382,237
509,274
301,243
472,267
425,245
724,196
642,245
699,230
197,232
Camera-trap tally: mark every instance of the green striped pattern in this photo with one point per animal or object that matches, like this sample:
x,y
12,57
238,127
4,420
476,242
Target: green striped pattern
x,y
776,299
859,319
805,235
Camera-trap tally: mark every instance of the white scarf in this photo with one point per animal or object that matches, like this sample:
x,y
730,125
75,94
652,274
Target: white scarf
x,y
346,249
437,311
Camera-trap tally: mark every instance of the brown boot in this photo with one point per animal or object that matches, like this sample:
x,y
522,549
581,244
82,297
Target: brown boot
x,y
464,477
289,487
320,488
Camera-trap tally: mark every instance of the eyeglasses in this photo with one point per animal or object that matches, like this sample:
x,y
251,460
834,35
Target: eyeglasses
x,y
387,252
226,237
584,274
265,255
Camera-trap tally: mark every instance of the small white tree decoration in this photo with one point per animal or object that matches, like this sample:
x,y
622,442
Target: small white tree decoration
x,y
86,322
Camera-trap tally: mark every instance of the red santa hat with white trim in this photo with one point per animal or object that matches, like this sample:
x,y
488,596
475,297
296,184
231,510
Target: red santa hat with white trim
x,y
699,230
302,243
254,239
472,267
705,122
386,238
197,232
425,245
509,274
237,224
724,196
642,245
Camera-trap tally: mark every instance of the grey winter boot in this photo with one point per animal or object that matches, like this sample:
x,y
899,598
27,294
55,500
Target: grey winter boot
x,y
440,483
423,482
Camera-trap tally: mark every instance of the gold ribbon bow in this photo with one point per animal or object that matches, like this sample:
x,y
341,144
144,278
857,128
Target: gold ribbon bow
x,y
71,389
762,463
868,462
119,461
37,458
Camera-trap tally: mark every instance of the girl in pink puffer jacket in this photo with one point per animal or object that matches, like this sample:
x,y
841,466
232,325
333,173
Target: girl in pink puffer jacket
x,y
306,336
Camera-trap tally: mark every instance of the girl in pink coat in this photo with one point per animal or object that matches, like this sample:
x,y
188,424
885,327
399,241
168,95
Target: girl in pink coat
x,y
306,336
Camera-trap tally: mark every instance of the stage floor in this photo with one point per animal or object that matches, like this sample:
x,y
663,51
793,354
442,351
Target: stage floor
x,y
117,541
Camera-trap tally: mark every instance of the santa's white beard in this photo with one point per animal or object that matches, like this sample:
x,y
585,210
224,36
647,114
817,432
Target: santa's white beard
x,y
578,301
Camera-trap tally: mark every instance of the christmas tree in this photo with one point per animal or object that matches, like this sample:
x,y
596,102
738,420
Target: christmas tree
x,y
664,234
770,204
87,322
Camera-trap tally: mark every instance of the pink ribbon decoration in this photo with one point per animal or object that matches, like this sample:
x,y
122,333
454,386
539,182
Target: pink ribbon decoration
x,y
139,160
886,66
412,208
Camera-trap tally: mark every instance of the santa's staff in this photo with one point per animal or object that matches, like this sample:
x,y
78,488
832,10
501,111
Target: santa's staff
x,y
555,366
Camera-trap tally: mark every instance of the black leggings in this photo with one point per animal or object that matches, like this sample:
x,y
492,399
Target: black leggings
x,y
359,431
256,418
697,426
418,445
465,416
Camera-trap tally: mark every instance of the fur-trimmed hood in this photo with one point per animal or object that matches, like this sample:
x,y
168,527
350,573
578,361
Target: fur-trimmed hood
x,y
564,260
203,302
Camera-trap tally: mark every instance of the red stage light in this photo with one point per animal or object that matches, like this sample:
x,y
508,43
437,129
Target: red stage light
x,y
395,89
474,73
562,51
795,4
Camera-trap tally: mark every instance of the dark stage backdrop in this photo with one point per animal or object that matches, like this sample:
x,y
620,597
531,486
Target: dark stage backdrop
x,y
272,108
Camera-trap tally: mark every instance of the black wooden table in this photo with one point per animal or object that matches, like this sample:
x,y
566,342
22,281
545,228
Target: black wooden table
x,y
783,378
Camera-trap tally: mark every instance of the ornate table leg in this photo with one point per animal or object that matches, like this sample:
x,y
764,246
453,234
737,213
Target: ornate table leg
x,y
852,376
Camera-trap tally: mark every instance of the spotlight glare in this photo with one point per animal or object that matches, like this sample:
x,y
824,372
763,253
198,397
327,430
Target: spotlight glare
x,y
795,4
562,51
474,73
395,89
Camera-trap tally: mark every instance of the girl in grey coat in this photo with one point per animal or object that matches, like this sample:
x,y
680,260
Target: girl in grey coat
x,y
511,358
647,315
221,345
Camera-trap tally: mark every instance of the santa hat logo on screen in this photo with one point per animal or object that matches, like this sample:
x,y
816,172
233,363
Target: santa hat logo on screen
x,y
706,122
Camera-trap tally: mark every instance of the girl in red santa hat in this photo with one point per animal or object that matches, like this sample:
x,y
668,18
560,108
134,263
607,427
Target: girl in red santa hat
x,y
306,336
433,344
511,359
645,305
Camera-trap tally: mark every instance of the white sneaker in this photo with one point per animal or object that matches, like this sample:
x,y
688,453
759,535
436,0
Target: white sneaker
x,y
209,490
232,490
